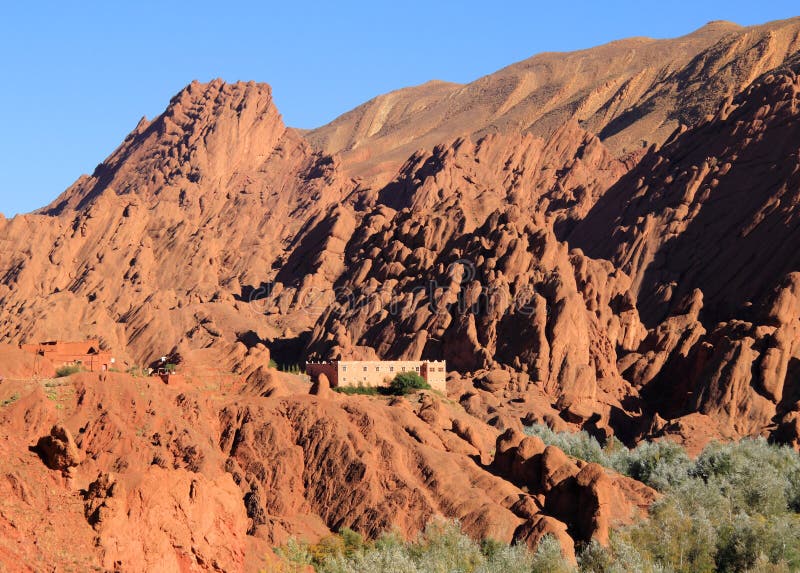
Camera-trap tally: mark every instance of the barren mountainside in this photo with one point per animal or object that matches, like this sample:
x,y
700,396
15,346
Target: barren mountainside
x,y
601,240
631,93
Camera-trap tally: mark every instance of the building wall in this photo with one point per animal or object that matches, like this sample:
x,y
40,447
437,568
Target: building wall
x,y
86,353
378,372
329,369
436,374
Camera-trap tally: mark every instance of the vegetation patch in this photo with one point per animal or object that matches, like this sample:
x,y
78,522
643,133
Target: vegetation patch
x,y
442,547
403,384
736,507
288,368
359,390
10,400
138,371
67,370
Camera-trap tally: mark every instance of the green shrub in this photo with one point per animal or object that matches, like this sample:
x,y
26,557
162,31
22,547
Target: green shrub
x,y
659,464
407,382
273,364
595,559
138,372
675,538
291,368
443,548
67,370
548,557
294,555
578,445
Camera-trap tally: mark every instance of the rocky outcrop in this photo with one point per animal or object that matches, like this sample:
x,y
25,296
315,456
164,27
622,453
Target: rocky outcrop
x,y
457,260
698,213
58,449
173,243
584,496
168,520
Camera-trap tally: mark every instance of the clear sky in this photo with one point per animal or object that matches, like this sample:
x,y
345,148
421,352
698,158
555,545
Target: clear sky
x,y
78,76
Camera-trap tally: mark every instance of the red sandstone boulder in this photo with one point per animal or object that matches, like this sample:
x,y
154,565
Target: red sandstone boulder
x,y
58,449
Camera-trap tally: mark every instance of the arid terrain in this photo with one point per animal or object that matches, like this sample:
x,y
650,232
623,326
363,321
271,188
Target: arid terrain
x,y
603,240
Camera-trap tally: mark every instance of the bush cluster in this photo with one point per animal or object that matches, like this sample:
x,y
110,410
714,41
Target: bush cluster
x,y
401,385
67,370
406,383
287,368
357,390
441,548
736,507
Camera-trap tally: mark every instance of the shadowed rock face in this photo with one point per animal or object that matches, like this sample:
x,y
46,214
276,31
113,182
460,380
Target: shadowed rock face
x,y
706,227
651,293
699,212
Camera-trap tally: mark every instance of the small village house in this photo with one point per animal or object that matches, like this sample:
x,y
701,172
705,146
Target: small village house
x,y
86,354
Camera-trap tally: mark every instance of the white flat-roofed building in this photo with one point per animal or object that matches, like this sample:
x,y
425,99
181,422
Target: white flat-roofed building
x,y
378,372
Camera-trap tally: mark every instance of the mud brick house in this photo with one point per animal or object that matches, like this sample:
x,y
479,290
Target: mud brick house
x,y
378,372
87,354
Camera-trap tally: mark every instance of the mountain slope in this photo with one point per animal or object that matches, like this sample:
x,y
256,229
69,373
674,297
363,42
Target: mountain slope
x,y
631,93
214,231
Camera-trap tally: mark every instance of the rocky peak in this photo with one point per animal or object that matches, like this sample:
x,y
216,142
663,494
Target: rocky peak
x,y
209,132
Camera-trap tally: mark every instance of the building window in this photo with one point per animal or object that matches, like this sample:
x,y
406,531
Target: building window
x,y
344,378
377,369
402,369
391,368
365,368
344,368
416,368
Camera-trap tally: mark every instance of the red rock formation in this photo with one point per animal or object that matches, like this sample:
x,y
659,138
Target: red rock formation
x,y
163,247
219,237
58,449
214,230
588,498
463,266
179,477
705,226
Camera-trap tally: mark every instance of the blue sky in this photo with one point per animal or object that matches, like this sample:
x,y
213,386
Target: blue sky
x,y
77,76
